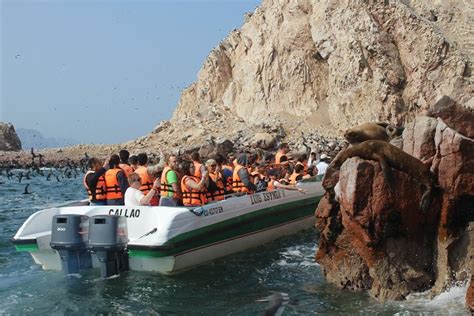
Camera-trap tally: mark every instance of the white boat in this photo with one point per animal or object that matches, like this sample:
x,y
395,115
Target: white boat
x,y
172,239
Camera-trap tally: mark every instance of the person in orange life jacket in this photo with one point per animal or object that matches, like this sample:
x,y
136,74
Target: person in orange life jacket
x,y
155,201
124,165
303,160
198,166
194,188
170,190
133,162
298,174
94,182
133,195
226,172
259,177
281,157
216,185
143,172
274,183
115,182
241,179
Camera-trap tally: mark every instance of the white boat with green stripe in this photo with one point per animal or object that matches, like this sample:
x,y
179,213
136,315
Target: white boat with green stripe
x,y
172,239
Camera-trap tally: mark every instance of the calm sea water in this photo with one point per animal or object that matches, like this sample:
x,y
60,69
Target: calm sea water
x,y
229,286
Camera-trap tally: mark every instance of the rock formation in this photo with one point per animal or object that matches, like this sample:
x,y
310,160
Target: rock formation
x,y
377,240
9,140
304,71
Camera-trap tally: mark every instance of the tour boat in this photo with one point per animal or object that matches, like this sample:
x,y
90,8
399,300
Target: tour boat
x,y
168,240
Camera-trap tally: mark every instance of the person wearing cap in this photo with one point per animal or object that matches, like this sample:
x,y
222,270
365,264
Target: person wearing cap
x,y
241,179
274,183
323,164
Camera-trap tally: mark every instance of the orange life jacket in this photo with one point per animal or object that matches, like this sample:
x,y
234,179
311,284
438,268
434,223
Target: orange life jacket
x,y
305,167
127,170
270,186
192,197
293,178
219,194
99,189
147,182
278,157
237,184
112,187
197,169
166,188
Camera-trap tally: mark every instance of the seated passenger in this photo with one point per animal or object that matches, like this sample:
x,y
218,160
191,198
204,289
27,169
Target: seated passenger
x,y
297,175
193,188
170,190
216,187
274,183
226,171
303,160
241,179
134,196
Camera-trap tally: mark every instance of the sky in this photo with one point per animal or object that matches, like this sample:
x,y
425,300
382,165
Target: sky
x,y
104,71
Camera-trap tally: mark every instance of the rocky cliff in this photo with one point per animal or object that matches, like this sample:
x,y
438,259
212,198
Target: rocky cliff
x,y
318,67
375,238
9,140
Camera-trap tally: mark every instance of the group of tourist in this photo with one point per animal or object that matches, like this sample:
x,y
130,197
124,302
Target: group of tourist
x,y
188,181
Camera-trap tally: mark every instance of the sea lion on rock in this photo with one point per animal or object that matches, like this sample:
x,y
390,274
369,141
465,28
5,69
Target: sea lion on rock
x,y
372,131
388,156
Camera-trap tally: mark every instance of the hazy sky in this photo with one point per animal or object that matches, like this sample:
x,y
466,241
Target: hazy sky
x,y
104,71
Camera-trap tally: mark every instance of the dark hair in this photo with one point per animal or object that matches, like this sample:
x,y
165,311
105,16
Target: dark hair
x,y
133,160
283,158
283,145
184,167
195,156
303,157
92,161
114,161
299,168
219,159
142,159
124,154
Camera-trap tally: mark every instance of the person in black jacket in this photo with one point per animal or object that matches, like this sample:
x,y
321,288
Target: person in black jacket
x,y
94,182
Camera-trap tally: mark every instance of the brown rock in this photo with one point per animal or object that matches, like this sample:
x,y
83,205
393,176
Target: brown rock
x,y
470,295
454,115
382,243
9,140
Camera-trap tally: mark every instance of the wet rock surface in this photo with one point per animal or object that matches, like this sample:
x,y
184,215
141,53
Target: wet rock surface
x,y
399,249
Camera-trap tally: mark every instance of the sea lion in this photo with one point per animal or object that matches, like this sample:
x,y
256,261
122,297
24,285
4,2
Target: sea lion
x,y
372,131
388,156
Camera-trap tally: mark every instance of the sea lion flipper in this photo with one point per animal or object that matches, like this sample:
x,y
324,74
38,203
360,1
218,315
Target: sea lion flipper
x,y
387,172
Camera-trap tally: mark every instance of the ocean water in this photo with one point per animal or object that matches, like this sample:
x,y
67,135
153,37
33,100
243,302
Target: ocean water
x,y
228,286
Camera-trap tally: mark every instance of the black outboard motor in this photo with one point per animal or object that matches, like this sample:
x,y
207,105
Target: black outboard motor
x,y
68,236
108,240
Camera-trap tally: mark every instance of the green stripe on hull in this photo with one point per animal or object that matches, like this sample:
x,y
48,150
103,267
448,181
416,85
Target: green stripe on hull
x,y
234,227
27,247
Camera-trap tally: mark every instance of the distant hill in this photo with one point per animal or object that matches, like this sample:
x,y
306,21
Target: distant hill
x,y
33,138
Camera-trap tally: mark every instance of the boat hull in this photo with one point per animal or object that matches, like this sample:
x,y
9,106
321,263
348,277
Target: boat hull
x,y
190,258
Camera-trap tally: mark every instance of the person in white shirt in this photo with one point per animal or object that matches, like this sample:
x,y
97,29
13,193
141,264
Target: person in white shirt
x,y
323,164
133,195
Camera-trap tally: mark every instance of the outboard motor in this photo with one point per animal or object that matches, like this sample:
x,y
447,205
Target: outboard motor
x,y
108,240
68,236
